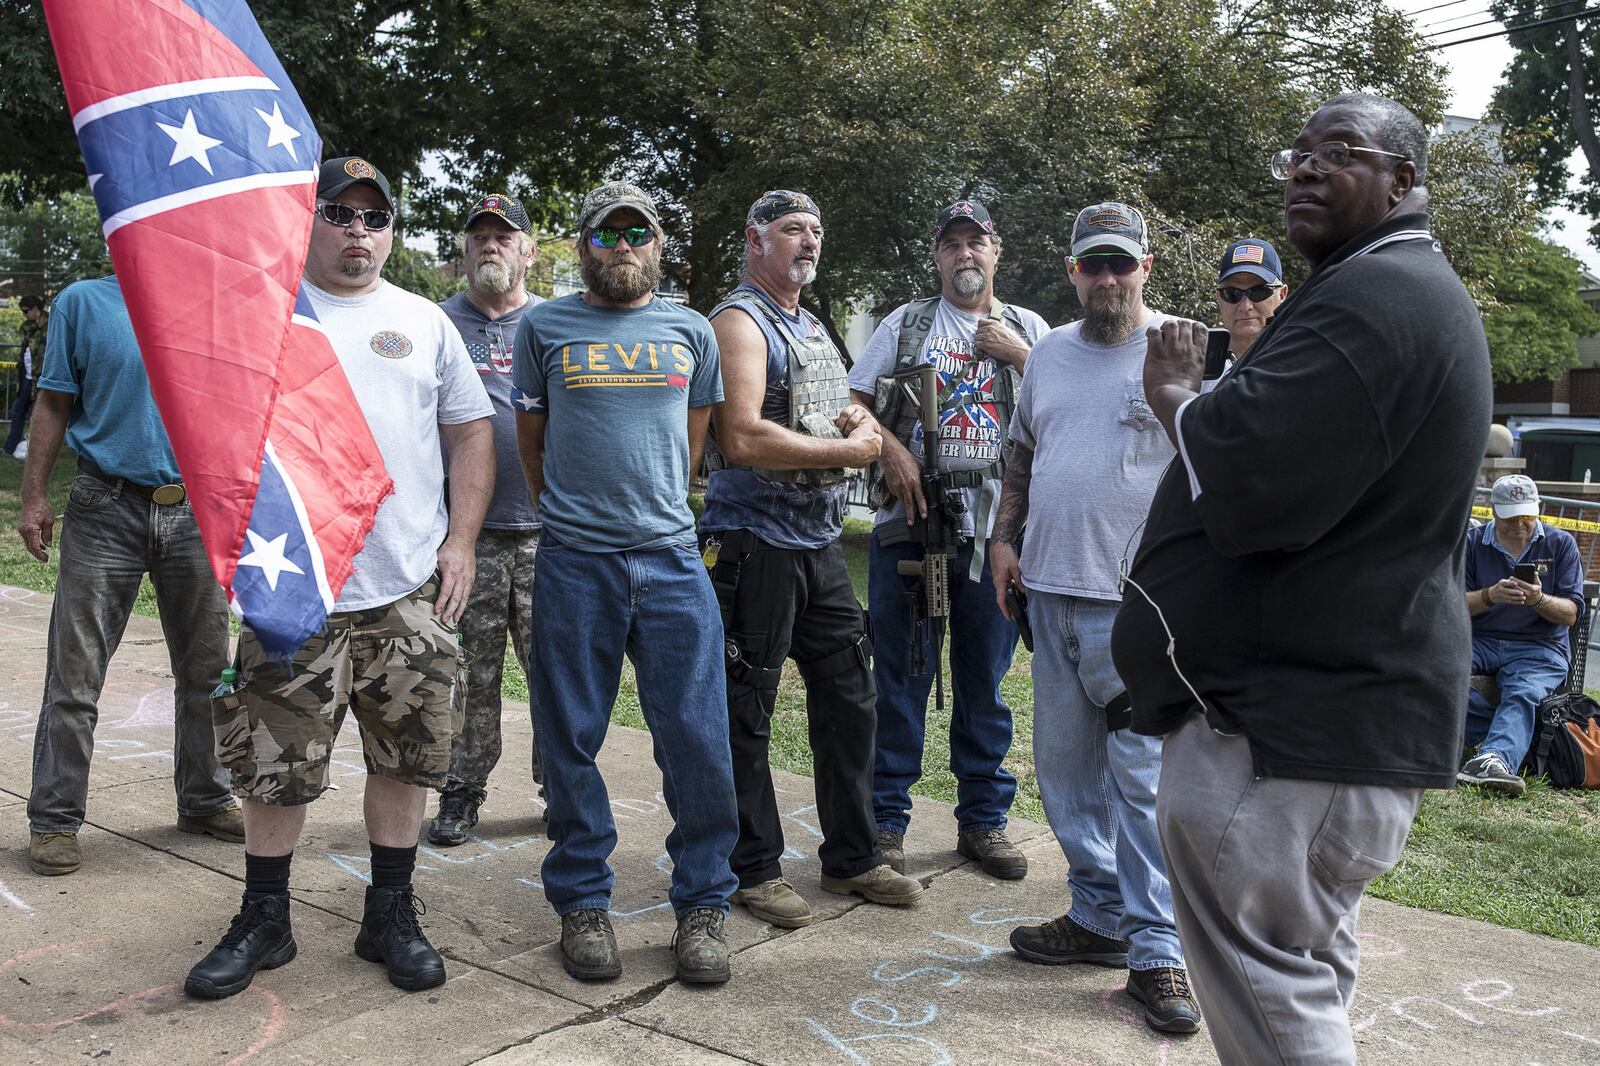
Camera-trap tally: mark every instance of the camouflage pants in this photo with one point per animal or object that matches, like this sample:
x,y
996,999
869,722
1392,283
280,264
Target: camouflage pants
x,y
397,667
501,601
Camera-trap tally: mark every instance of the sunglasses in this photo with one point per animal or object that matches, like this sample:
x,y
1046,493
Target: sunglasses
x,y
636,236
1232,294
340,215
1096,263
1327,158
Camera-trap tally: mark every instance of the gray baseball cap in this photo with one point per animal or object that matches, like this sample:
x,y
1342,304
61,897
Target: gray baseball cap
x,y
613,196
1111,225
1513,496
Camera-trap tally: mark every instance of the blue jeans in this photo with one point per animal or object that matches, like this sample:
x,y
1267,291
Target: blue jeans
x,y
981,645
109,541
19,414
1526,673
589,608
1098,787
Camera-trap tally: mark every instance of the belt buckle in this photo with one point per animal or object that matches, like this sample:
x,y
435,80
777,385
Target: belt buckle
x,y
167,495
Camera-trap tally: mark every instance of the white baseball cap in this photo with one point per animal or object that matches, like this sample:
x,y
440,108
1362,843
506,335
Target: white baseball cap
x,y
1513,496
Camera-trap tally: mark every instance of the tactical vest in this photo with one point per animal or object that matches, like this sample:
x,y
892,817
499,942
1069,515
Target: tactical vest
x,y
900,417
818,389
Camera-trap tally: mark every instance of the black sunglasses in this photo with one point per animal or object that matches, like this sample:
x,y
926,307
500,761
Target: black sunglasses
x,y
1099,262
1232,294
341,215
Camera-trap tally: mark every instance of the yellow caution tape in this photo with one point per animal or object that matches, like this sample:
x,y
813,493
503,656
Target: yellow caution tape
x,y
1572,525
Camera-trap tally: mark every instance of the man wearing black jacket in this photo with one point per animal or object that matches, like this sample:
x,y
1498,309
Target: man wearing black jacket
x,y
1305,551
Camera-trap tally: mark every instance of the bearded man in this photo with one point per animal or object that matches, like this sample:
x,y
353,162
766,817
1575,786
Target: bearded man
x,y
614,388
1086,455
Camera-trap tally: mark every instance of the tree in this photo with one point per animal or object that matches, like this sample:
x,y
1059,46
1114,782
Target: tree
x,y
47,245
1552,94
1538,318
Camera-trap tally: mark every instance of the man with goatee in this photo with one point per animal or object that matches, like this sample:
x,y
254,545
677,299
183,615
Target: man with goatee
x,y
614,388
497,249
1086,455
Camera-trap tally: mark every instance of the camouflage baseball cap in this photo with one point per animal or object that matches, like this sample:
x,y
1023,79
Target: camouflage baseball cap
x,y
776,203
614,196
1111,225
502,206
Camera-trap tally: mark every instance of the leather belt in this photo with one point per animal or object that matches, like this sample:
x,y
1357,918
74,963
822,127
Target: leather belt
x,y
161,495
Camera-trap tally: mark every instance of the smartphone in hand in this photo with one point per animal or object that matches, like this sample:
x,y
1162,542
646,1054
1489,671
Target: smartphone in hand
x,y
1528,572
1217,341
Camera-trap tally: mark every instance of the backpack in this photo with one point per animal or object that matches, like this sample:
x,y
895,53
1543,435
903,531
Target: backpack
x,y
1566,741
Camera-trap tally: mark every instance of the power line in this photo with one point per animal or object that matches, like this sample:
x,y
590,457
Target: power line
x,y
1435,7
1498,21
1509,30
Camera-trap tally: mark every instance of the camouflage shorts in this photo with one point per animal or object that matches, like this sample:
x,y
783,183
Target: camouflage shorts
x,y
397,667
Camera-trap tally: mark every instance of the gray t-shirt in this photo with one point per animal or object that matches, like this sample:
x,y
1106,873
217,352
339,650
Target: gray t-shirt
x,y
616,385
1098,452
489,343
969,434
410,374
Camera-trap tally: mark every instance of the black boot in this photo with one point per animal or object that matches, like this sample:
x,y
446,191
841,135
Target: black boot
x,y
259,939
390,935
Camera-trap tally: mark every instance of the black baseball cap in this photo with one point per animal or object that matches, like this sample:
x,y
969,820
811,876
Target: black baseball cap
x,y
337,175
964,211
31,303
501,206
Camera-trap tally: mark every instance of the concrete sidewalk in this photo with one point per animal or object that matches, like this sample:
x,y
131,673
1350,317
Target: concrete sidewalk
x,y
91,965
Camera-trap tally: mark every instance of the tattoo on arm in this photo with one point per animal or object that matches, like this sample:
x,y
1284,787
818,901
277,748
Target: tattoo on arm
x,y
1013,512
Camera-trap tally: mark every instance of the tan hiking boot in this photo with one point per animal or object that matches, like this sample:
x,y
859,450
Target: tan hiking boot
x,y
776,903
53,854
878,885
226,824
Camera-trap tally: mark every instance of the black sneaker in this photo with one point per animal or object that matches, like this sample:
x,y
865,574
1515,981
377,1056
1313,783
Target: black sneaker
x,y
1488,770
699,948
390,934
893,846
458,813
1169,1006
589,946
259,938
1062,940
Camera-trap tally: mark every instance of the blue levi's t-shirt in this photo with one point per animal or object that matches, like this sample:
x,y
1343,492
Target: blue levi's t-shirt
x,y
1555,552
784,515
616,386
91,354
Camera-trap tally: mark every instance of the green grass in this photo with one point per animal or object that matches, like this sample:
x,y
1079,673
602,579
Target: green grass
x,y
1528,864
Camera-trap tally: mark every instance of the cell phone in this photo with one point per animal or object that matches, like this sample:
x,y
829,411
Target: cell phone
x,y
1528,572
1217,341
1017,601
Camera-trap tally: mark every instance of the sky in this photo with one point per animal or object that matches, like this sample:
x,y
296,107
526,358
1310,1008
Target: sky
x,y
1475,71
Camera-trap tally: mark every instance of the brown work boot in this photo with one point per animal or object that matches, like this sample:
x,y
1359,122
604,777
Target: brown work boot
x,y
227,824
994,852
52,854
1063,940
893,846
1169,1006
881,884
776,903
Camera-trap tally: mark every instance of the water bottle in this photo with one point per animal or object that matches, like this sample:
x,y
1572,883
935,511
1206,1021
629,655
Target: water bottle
x,y
230,681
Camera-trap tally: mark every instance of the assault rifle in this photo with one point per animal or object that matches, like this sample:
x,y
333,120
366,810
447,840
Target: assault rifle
x,y
939,534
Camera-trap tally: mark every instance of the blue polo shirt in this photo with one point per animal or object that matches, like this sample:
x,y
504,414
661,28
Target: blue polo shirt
x,y
90,354
1560,574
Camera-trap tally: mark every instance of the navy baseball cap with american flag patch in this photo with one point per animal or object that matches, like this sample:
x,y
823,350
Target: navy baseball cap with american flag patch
x,y
1251,256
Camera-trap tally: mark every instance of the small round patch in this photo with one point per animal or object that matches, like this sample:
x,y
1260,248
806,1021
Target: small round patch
x,y
391,345
360,168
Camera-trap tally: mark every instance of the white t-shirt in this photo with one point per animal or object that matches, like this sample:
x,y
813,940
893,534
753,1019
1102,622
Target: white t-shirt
x,y
411,373
970,435
1098,452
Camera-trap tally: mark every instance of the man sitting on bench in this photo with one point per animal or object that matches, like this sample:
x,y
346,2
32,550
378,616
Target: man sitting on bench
x,y
1524,589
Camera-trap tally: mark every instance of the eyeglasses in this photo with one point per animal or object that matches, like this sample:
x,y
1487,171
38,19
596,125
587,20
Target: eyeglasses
x,y
341,215
1096,263
1327,157
636,236
1232,294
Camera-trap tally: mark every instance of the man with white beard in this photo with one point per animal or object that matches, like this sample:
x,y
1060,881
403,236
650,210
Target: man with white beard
x,y
498,249
1087,453
978,346
788,436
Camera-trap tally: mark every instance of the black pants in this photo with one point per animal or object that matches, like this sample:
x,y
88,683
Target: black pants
x,y
799,604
